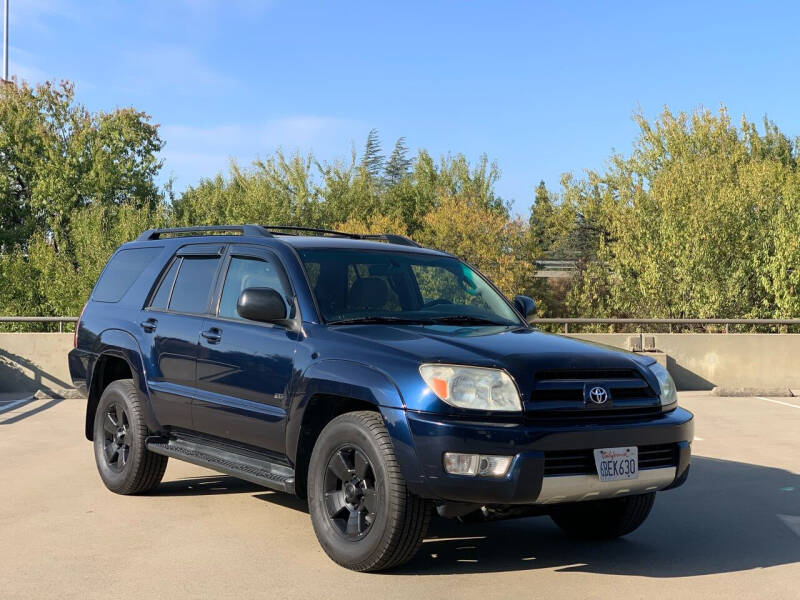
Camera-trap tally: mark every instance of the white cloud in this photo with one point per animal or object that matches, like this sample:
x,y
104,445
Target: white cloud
x,y
194,152
35,14
171,66
25,72
23,65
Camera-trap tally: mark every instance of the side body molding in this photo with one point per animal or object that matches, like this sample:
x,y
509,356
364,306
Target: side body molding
x,y
358,381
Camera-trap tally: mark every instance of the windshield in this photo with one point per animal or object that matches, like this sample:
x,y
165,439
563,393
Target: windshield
x,y
356,286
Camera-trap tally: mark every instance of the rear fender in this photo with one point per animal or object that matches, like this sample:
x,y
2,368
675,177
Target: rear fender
x,y
120,344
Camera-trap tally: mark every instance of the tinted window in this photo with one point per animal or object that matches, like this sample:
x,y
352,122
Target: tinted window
x,y
162,295
246,272
121,272
195,276
413,287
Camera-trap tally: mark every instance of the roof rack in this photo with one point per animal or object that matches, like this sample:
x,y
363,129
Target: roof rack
x,y
251,230
391,238
290,229
268,230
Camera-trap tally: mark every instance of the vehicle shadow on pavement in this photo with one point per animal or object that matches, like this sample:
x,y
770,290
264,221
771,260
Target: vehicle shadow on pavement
x,y
725,518
205,486
224,484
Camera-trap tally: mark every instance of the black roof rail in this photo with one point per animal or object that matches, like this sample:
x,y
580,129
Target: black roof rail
x,y
289,229
391,238
386,237
251,230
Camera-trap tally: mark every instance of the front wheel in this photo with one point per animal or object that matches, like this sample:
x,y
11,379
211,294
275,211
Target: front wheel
x,y
363,515
604,519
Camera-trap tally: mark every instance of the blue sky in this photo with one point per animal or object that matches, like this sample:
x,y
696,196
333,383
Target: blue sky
x,y
543,88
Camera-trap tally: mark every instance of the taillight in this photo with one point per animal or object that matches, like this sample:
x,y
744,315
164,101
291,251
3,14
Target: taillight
x,y
77,324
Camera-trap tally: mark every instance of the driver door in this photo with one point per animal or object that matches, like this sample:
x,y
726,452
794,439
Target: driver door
x,y
244,368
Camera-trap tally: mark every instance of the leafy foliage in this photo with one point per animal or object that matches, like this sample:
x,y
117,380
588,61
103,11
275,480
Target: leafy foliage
x,y
73,186
701,220
399,165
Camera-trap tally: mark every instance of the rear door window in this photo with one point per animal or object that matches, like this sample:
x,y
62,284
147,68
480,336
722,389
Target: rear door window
x,y
122,271
161,297
193,284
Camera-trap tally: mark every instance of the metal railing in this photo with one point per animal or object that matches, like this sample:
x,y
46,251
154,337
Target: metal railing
x,y
613,322
562,321
59,320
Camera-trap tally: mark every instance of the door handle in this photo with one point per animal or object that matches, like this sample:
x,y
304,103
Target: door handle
x,y
149,325
213,335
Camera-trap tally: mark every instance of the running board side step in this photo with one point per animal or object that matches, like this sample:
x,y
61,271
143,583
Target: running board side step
x,y
262,472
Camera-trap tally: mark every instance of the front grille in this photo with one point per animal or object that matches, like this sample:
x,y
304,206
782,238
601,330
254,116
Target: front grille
x,y
581,374
581,462
559,394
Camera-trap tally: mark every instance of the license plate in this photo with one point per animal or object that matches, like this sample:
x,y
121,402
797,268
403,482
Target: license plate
x,y
614,464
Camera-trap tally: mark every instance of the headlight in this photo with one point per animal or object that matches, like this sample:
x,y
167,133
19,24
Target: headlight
x,y
667,391
477,388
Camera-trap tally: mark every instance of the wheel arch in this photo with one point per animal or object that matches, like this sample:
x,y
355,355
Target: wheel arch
x,y
330,388
119,357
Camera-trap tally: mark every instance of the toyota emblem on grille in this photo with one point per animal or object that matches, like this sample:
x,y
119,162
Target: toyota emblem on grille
x,y
598,395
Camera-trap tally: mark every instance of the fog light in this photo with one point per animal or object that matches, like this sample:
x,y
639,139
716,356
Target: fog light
x,y
476,464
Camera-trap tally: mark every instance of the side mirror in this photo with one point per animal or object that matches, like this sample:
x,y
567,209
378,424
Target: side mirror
x,y
261,304
525,306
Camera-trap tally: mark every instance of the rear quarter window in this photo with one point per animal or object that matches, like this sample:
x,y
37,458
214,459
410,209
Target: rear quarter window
x,y
122,271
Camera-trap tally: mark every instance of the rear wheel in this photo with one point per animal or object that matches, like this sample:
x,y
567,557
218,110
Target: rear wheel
x,y
126,466
604,519
364,516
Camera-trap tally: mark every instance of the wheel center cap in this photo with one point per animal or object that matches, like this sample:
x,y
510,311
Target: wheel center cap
x,y
350,492
119,436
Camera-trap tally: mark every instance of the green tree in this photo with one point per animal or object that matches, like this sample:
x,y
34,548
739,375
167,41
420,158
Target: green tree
x,y
73,186
372,161
56,157
399,164
697,222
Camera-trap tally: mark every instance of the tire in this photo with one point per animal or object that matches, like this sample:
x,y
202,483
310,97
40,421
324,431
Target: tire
x,y
604,519
369,522
125,465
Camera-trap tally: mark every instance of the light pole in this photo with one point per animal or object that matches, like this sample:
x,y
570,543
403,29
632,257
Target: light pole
x,y
5,40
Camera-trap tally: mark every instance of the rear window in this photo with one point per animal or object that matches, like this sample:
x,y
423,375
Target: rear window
x,y
122,271
193,285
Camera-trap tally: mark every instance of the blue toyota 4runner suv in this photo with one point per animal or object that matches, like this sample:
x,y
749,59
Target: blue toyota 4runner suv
x,y
378,379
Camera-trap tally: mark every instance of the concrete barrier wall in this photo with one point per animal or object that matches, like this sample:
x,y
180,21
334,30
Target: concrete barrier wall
x,y
699,361
30,362
38,361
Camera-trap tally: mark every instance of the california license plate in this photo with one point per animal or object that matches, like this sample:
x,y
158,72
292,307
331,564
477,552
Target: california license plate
x,y
614,464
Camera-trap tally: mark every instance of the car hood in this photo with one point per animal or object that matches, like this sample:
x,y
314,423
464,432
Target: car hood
x,y
515,349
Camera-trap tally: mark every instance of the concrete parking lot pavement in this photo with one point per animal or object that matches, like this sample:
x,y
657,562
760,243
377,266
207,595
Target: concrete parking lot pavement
x,y
732,531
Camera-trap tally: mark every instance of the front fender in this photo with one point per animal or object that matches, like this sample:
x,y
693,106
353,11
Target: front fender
x,y
120,344
357,381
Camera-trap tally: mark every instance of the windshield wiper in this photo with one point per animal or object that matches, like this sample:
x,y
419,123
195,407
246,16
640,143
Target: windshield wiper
x,y
468,320
379,320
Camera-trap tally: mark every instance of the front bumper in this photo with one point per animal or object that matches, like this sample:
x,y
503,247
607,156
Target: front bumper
x,y
526,482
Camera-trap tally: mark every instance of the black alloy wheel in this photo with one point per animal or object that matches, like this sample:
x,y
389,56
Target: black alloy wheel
x,y
350,497
116,437
364,515
120,434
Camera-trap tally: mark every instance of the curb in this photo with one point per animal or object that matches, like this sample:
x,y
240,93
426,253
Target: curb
x,y
741,392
